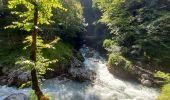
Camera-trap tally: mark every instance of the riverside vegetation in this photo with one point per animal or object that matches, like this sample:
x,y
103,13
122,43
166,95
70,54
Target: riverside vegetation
x,y
41,39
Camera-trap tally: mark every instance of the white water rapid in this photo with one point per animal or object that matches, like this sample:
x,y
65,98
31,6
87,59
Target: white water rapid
x,y
105,87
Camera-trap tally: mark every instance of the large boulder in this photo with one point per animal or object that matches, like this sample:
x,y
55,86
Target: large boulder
x,y
18,77
147,83
15,76
89,54
18,96
147,80
145,76
3,80
79,72
75,63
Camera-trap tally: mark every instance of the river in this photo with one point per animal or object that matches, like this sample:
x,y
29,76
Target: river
x,y
105,87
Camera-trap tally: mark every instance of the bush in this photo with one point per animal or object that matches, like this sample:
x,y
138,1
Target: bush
x,y
165,93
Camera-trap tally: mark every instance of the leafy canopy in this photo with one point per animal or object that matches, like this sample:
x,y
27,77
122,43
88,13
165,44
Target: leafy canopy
x,y
45,8
140,27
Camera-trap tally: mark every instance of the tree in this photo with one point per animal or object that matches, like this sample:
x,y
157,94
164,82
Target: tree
x,y
69,25
34,13
139,27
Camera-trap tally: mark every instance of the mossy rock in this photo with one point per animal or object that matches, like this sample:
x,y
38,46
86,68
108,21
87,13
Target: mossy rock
x,y
120,67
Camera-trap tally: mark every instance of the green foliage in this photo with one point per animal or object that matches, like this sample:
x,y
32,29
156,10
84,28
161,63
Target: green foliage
x,y
33,96
47,54
44,8
107,43
163,75
79,56
112,47
165,93
139,27
71,20
28,84
9,54
116,61
60,51
69,24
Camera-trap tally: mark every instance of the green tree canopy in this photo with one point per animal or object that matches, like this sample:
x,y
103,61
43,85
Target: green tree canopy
x,y
45,8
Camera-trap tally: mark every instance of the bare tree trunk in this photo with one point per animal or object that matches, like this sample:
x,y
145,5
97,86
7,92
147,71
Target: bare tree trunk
x,y
35,84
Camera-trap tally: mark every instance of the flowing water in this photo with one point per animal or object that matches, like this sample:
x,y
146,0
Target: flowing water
x,y
105,87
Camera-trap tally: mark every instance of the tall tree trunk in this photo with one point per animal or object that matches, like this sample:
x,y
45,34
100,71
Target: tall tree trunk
x,y
35,84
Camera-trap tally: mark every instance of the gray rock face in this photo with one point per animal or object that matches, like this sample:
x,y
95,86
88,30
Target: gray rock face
x,y
18,77
19,96
79,71
14,75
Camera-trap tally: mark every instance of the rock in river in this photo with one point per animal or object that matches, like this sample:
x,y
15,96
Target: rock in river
x,y
79,71
18,96
89,54
147,83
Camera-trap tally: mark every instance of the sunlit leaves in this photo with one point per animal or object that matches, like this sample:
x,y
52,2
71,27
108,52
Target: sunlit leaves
x,y
45,8
163,75
139,27
165,93
42,63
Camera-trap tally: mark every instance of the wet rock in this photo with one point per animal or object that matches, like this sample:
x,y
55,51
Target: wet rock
x,y
18,77
79,71
14,76
145,76
82,74
18,96
147,83
3,80
24,77
146,80
89,54
76,63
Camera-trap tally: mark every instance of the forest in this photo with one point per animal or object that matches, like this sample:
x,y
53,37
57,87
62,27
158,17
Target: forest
x,y
84,49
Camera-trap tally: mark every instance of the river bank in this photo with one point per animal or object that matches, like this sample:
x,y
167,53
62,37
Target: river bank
x,y
104,87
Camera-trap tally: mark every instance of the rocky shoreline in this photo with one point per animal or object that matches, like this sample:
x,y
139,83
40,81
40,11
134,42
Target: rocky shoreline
x,y
142,76
15,76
